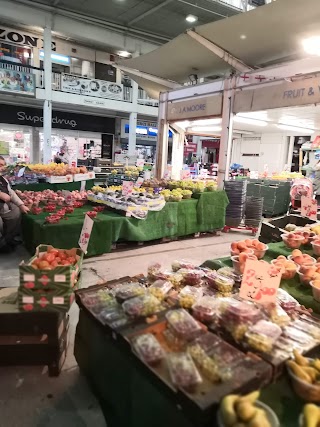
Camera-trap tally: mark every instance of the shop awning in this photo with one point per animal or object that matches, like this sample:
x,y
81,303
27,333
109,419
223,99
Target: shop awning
x,y
269,34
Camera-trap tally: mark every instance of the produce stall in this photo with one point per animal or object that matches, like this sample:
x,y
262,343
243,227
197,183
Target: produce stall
x,y
188,349
41,186
204,212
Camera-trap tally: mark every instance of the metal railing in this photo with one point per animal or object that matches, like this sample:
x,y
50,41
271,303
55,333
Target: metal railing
x,y
143,98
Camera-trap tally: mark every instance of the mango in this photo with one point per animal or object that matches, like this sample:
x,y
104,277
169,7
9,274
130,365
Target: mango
x,y
311,415
227,407
249,398
245,411
300,360
259,420
299,372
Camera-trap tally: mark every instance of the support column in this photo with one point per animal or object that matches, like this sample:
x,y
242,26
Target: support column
x,y
35,146
162,140
290,152
47,106
226,134
133,120
197,140
177,154
132,134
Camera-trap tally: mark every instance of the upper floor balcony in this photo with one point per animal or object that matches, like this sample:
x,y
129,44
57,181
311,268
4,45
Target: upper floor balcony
x,y
17,79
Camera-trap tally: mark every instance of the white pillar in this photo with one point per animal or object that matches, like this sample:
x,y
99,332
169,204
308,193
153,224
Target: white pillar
x,y
132,134
47,106
177,154
290,152
197,140
226,134
162,140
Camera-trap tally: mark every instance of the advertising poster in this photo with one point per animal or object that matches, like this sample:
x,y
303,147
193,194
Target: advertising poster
x,y
17,82
91,87
4,148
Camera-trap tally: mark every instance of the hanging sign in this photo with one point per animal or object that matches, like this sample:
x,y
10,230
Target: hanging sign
x,y
85,233
309,207
127,188
260,282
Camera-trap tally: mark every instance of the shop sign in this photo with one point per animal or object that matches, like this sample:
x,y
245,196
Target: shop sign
x,y
28,116
208,106
144,130
260,282
16,82
190,148
127,188
287,94
91,87
21,38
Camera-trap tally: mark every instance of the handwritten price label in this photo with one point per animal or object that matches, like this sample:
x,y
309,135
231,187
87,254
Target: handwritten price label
x,y
260,282
185,174
127,188
309,207
140,163
86,233
139,182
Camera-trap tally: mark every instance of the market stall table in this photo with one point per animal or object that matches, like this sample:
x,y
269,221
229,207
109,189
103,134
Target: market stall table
x,y
204,213
41,186
301,293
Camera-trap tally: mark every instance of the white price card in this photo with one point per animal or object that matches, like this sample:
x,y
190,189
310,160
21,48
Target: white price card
x,y
140,163
86,233
83,186
309,207
139,182
127,188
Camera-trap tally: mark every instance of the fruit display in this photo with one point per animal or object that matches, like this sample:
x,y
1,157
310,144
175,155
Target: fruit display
x,y
292,240
53,258
249,246
160,288
204,363
51,198
221,283
205,309
128,290
262,336
148,349
305,377
192,277
177,265
288,268
56,169
236,410
239,262
277,314
183,371
302,259
188,296
182,324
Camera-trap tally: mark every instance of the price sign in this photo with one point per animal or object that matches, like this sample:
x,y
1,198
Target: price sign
x,y
127,188
83,185
203,173
185,174
309,207
140,163
139,182
86,233
260,282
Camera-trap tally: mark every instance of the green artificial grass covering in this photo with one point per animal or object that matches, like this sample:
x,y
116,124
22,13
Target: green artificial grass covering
x,y
69,186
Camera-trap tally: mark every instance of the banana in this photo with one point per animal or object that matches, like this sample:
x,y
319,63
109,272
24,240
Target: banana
x,y
311,415
249,398
299,372
300,360
245,411
228,412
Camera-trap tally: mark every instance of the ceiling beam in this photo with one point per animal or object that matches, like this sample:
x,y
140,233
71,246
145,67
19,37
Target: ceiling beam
x,y
235,63
149,12
202,8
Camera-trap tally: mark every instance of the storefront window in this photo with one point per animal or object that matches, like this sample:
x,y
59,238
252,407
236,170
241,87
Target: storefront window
x,y
15,144
16,54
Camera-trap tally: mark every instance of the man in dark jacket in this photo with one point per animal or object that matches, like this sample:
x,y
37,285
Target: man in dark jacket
x,y
11,207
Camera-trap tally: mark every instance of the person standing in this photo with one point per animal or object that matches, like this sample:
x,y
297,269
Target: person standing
x,y
11,208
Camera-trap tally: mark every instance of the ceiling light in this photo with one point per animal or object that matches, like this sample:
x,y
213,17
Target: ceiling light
x,y
247,121
243,37
191,18
257,115
183,124
295,129
124,53
206,122
26,54
312,45
206,129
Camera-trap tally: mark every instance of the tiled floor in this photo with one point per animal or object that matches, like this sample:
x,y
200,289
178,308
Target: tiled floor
x,y
28,397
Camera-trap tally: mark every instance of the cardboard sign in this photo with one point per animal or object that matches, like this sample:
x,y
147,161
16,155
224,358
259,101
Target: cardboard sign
x,y
140,163
139,182
83,185
260,282
127,188
185,174
86,233
309,207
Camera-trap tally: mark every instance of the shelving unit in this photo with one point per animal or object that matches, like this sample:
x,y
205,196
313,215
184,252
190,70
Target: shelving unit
x,y
106,167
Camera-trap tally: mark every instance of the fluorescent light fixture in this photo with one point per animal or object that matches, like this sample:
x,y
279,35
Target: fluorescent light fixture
x,y
57,58
312,45
243,37
191,18
183,125
206,129
295,129
26,54
124,53
247,121
207,122
257,115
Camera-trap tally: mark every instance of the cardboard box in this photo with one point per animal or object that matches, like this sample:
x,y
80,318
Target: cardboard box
x,y
45,300
84,176
271,231
59,179
61,277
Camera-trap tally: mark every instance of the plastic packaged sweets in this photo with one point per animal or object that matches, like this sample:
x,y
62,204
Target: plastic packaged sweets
x,y
277,314
286,301
208,342
192,277
183,371
297,335
128,290
262,336
205,309
148,349
111,314
231,273
311,328
189,295
160,288
221,283
178,264
183,325
153,269
141,306
206,365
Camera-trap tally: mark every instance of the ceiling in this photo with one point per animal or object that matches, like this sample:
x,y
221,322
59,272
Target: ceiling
x,y
164,19
266,35
299,121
